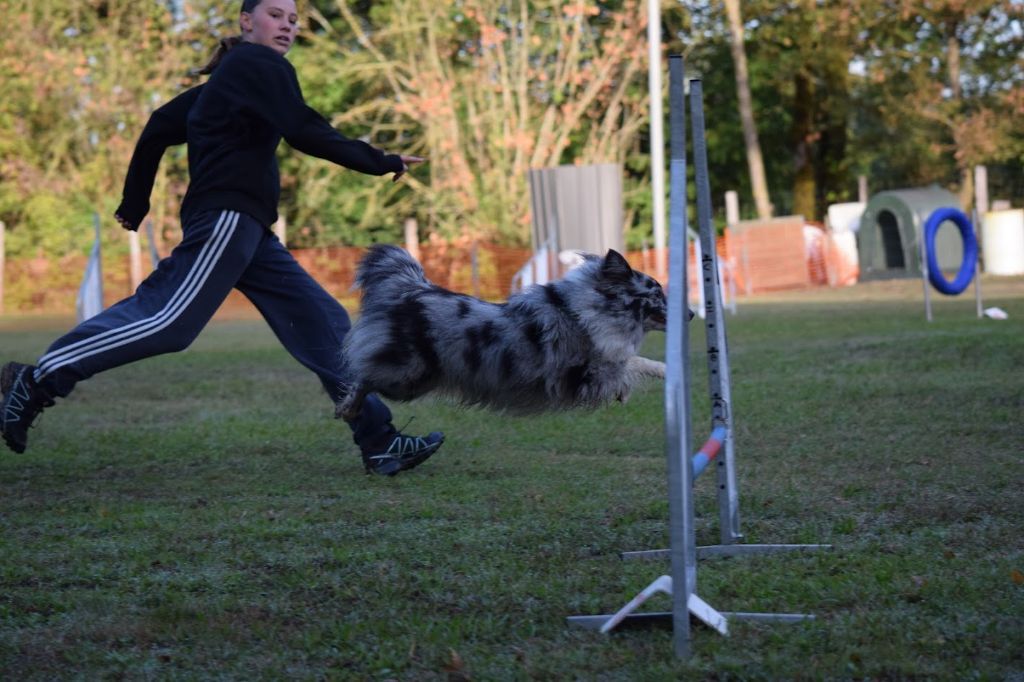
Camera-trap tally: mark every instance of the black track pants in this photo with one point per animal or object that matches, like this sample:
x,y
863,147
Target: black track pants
x,y
220,250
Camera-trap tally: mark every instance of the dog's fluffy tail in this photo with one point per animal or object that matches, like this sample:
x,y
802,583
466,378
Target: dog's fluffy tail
x,y
387,271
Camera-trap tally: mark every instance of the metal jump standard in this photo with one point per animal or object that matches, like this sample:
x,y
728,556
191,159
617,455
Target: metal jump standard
x,y
682,467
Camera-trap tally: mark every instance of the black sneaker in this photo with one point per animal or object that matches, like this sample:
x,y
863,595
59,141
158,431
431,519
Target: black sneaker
x,y
401,453
23,401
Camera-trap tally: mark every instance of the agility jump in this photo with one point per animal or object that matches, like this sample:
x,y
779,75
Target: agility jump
x,y
683,468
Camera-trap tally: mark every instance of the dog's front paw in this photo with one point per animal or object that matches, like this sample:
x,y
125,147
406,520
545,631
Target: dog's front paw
x,y
623,397
644,367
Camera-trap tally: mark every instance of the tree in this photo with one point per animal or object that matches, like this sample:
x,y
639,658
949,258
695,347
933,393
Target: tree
x,y
755,161
487,89
81,80
972,110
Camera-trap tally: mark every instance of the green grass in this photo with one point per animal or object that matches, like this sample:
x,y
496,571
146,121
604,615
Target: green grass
x,y
200,515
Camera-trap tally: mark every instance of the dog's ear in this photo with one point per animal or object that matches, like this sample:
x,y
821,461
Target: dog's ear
x,y
615,267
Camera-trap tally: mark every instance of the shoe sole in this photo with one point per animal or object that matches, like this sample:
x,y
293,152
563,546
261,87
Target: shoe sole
x,y
389,468
18,448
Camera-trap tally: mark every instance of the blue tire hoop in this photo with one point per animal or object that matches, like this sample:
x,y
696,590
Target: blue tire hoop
x,y
966,273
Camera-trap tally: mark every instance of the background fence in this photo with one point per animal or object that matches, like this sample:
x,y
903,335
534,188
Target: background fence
x,y
770,259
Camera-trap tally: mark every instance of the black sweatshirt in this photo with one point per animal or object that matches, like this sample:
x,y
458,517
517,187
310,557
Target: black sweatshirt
x,y
233,124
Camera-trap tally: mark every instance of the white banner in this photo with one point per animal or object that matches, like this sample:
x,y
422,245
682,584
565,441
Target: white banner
x,y
90,295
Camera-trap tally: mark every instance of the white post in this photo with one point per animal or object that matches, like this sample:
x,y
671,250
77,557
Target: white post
x,y
732,218
2,258
134,259
657,137
862,189
732,208
412,238
981,207
981,191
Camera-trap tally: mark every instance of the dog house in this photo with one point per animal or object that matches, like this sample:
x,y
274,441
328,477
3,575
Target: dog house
x,y
888,240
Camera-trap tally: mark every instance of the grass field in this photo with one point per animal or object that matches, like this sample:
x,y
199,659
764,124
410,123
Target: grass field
x,y
201,516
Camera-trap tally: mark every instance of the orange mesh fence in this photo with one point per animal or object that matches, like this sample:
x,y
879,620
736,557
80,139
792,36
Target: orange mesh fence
x,y
773,256
50,285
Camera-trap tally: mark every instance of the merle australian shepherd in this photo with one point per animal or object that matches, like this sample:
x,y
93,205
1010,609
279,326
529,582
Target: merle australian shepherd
x,y
571,343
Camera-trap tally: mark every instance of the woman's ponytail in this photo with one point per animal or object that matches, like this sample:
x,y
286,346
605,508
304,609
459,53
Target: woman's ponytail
x,y
223,47
225,44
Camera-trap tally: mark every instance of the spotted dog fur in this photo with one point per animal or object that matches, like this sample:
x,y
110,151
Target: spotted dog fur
x,y
568,344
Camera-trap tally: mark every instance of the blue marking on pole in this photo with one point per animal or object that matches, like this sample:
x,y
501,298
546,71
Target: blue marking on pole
x,y
966,273
709,450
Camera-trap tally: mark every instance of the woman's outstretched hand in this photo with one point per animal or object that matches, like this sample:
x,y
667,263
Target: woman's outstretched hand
x,y
406,162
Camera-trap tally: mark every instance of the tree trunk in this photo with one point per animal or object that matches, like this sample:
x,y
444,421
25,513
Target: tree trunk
x,y
758,183
804,184
966,193
833,107
833,166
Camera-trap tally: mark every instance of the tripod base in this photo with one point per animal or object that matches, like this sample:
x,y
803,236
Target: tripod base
x,y
713,551
698,608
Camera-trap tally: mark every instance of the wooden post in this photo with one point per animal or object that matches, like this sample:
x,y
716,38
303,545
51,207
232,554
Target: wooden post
x,y
281,230
412,238
134,259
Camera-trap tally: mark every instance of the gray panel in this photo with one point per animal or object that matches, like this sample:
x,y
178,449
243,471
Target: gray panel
x,y
579,207
609,199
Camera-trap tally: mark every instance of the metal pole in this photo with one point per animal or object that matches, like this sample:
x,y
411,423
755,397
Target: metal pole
x,y
697,257
714,321
657,135
981,208
682,532
924,269
977,267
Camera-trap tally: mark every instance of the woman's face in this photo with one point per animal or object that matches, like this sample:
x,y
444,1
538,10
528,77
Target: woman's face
x,y
273,23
